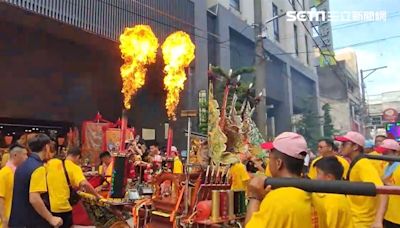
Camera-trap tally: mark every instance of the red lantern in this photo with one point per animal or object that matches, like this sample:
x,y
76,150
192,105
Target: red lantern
x,y
203,210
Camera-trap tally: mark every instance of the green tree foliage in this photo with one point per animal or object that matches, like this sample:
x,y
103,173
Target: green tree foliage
x,y
246,78
309,124
328,126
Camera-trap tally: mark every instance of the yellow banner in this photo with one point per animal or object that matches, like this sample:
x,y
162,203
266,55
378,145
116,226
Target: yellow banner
x,y
316,2
327,58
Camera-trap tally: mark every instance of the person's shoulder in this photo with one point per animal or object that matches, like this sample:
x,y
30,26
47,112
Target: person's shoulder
x,y
6,155
5,171
364,162
237,165
287,197
289,192
363,165
397,171
342,159
53,161
70,165
336,197
53,164
374,153
316,159
40,169
337,201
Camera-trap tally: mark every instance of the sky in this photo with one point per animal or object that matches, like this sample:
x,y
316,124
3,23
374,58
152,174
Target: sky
x,y
377,54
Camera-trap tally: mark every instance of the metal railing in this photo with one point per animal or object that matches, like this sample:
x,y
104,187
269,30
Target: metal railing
x,y
108,18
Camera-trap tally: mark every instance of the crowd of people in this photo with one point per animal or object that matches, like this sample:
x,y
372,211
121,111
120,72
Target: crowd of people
x,y
37,185
292,207
34,194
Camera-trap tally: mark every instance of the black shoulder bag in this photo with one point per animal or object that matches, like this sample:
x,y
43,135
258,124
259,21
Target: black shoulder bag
x,y
73,195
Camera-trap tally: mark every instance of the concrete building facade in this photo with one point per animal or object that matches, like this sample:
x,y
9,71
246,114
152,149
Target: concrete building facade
x,y
340,88
324,37
338,77
291,77
60,59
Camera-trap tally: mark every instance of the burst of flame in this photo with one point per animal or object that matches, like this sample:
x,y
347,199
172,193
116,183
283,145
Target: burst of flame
x,y
178,52
138,47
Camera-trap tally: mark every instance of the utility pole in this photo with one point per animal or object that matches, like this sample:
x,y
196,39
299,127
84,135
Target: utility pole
x,y
365,113
261,69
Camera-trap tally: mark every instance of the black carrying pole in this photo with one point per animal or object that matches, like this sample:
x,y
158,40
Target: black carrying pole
x,y
338,187
383,157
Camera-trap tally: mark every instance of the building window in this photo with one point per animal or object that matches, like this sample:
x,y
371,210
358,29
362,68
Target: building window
x,y
307,54
296,40
350,87
235,4
275,22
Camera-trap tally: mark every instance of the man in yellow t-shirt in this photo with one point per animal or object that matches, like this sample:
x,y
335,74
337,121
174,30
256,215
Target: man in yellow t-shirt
x,y
283,207
367,211
379,140
326,149
4,158
392,216
58,188
28,206
18,154
392,148
336,206
239,175
391,177
177,166
105,169
379,165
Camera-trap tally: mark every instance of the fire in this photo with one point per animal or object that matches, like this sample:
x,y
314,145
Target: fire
x,y
138,47
178,52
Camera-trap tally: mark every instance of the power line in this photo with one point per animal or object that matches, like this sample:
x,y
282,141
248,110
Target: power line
x,y
357,24
165,14
175,27
174,18
350,45
345,46
198,36
345,25
241,31
319,48
369,42
308,31
247,26
352,24
160,22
